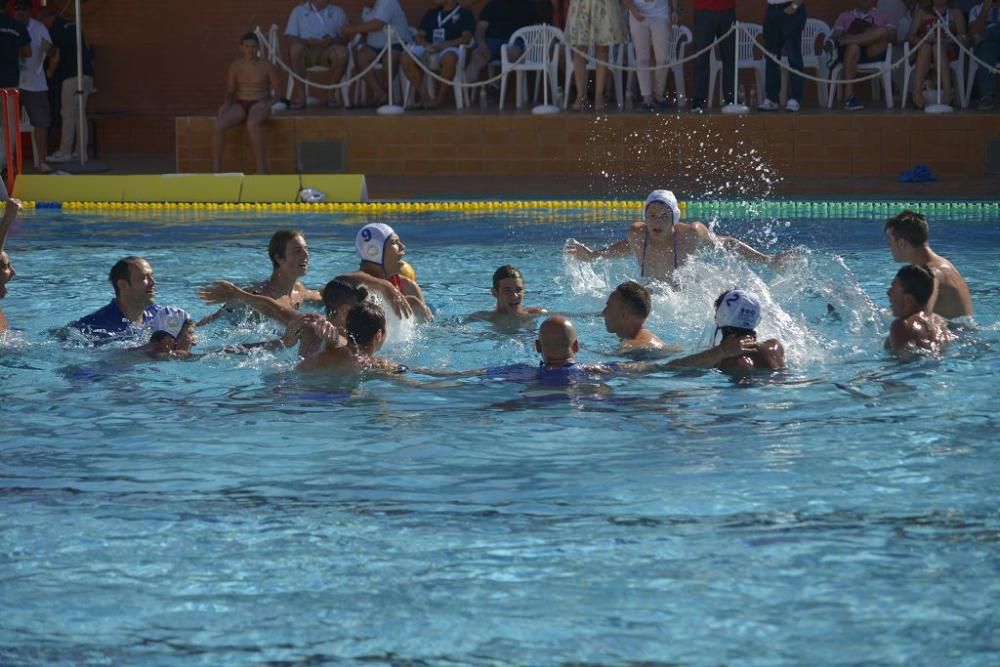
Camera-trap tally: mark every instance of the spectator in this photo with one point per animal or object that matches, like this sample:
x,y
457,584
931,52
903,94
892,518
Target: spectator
x,y
34,88
314,31
442,32
497,22
984,26
63,71
375,15
862,34
783,25
593,23
15,43
249,85
929,13
712,18
649,22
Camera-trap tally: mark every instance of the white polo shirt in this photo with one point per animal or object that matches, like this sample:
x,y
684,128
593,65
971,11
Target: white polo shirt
x,y
389,12
307,22
33,67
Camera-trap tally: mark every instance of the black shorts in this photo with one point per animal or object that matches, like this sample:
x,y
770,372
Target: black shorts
x,y
36,103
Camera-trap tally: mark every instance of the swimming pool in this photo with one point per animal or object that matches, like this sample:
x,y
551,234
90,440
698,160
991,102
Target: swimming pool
x,y
222,511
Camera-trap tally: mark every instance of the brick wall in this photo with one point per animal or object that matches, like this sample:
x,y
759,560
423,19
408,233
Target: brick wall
x,y
158,59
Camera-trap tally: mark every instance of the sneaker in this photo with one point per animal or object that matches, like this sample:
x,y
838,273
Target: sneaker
x,y
697,104
44,168
985,104
59,156
852,104
792,105
768,105
646,106
664,104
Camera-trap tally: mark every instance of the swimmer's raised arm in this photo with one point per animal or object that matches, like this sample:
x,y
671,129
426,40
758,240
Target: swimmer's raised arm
x,y
12,208
582,252
743,249
222,291
393,296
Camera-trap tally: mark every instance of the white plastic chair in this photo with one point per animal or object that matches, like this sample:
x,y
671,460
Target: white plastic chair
x,y
616,55
884,66
747,59
537,56
680,40
814,31
958,84
458,87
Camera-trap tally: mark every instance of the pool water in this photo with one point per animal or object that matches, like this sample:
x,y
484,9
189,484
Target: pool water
x,y
224,511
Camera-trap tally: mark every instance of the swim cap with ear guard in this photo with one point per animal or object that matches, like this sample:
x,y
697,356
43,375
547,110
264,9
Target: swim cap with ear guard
x,y
371,242
739,309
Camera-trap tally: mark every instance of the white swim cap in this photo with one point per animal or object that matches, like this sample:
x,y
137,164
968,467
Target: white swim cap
x,y
663,197
169,319
371,241
738,308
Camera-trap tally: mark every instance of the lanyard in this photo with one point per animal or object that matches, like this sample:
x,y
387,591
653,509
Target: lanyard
x,y
451,14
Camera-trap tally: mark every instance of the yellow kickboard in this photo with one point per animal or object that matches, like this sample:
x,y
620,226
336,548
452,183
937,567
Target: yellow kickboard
x,y
266,189
338,187
183,188
40,187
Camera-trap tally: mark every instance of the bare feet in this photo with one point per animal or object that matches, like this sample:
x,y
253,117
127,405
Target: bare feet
x,y
581,104
918,99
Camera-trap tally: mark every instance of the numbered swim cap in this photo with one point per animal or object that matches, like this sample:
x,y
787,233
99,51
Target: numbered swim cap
x,y
663,197
371,241
738,308
170,320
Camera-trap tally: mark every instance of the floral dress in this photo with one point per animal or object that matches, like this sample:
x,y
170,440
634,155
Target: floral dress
x,y
595,22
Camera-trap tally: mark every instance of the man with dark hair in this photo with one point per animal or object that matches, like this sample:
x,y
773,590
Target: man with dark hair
x,y
907,235
15,43
135,290
625,315
63,72
7,271
508,290
914,328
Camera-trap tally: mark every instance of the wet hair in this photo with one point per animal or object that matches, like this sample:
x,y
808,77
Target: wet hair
x,y
910,226
636,298
339,291
504,272
250,37
364,321
120,270
279,241
917,281
160,336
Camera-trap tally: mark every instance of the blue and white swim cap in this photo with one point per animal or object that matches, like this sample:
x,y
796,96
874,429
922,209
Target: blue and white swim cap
x,y
663,197
170,320
371,241
739,309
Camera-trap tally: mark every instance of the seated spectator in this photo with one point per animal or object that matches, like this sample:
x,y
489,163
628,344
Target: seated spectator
x,y
375,15
929,13
442,33
497,22
914,328
314,31
250,83
34,87
984,26
63,69
862,35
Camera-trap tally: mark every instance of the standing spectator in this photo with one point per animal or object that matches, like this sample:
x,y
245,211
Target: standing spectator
x,y
15,43
375,16
930,13
984,26
442,32
314,31
249,85
863,34
783,25
593,23
34,88
649,22
712,18
63,72
497,22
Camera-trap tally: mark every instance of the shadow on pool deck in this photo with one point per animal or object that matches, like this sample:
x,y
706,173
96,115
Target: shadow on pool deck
x,y
588,187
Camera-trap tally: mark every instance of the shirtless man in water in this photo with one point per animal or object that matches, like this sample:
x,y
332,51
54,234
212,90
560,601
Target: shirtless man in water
x,y
249,86
914,328
661,243
508,290
289,261
907,235
7,271
625,316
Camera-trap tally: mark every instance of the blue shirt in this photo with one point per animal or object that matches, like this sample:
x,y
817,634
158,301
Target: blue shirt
x,y
571,373
103,324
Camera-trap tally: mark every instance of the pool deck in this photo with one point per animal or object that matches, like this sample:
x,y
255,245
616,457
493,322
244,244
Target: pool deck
x,y
485,154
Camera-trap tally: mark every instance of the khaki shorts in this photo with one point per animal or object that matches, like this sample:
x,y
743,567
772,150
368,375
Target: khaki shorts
x,y
319,55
